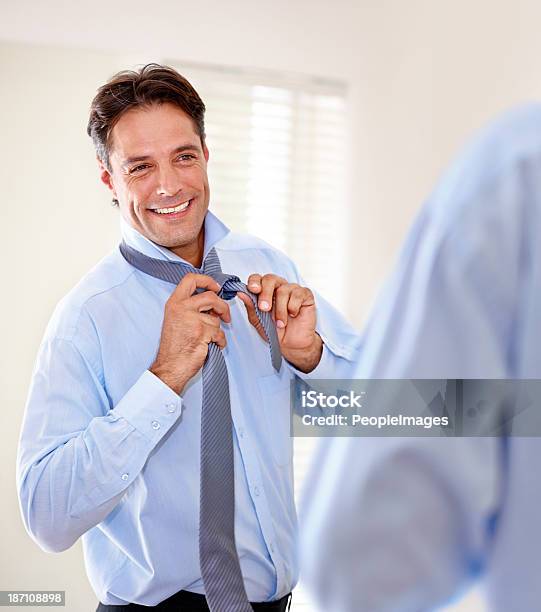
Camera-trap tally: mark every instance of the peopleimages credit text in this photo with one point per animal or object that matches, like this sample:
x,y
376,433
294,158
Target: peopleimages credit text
x,y
313,399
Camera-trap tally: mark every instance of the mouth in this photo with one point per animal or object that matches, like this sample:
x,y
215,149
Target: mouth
x,y
172,212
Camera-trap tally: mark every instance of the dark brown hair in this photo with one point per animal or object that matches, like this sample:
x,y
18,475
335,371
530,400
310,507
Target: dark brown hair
x,y
152,84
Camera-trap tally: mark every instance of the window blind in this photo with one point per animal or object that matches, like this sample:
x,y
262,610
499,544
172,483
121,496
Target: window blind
x,y
277,165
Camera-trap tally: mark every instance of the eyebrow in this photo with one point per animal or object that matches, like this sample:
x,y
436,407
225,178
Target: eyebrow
x,y
139,158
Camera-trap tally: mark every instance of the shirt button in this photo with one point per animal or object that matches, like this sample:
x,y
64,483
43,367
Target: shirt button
x,y
271,548
155,425
170,407
125,476
241,432
256,491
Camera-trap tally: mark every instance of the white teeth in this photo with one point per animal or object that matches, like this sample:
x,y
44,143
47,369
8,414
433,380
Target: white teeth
x,y
166,211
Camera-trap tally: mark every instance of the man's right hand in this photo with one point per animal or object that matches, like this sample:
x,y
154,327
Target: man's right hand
x,y
190,323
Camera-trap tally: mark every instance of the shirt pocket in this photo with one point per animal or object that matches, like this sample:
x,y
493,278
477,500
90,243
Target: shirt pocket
x,y
275,392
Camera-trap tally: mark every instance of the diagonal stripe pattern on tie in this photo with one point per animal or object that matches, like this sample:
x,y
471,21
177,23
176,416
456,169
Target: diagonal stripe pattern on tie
x,y
219,562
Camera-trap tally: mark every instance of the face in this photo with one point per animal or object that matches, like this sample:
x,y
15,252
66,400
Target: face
x,y
159,177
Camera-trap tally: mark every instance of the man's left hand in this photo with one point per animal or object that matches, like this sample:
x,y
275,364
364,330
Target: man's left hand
x,y
293,310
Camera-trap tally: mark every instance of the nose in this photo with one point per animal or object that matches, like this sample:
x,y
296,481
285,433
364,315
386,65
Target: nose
x,y
169,182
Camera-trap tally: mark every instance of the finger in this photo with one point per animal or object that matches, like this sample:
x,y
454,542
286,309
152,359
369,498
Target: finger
x,y
190,283
268,284
254,283
207,301
282,296
300,296
210,319
217,336
252,315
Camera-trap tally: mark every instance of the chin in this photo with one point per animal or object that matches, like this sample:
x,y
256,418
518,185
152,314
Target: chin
x,y
175,242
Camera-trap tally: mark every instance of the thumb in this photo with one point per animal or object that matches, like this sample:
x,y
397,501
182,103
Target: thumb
x,y
252,315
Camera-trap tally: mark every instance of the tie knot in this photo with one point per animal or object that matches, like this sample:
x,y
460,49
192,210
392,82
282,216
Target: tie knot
x,y
229,284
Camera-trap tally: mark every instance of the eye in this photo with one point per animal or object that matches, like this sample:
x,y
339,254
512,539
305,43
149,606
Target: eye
x,y
139,168
185,157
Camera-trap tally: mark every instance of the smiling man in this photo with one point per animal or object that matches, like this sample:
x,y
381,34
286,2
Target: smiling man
x,y
157,423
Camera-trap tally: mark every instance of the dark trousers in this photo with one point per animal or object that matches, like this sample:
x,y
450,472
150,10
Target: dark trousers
x,y
184,601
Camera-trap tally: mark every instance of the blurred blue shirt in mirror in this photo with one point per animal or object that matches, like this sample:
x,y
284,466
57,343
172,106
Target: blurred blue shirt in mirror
x,y
407,524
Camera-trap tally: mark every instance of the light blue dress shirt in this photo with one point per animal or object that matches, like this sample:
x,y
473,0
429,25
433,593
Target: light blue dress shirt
x,y
110,453
407,524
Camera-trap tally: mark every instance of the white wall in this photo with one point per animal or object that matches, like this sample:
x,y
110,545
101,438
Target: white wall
x,y
422,74
429,72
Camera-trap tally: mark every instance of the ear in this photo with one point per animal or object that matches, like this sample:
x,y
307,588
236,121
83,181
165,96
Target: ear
x,y
105,176
205,152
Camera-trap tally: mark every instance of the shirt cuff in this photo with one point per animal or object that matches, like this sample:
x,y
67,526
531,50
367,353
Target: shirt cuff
x,y
150,406
326,368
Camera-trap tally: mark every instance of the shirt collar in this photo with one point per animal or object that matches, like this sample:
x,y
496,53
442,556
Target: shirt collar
x,y
215,230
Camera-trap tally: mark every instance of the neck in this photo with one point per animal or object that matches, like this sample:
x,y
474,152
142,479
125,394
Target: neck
x,y
193,252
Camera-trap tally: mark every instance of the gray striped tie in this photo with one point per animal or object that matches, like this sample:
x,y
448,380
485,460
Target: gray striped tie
x,y
219,561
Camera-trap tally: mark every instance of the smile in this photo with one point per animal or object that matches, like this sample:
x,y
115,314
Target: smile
x,y
168,211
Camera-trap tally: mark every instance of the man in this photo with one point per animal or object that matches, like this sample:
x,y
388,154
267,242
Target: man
x,y
157,424
420,519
